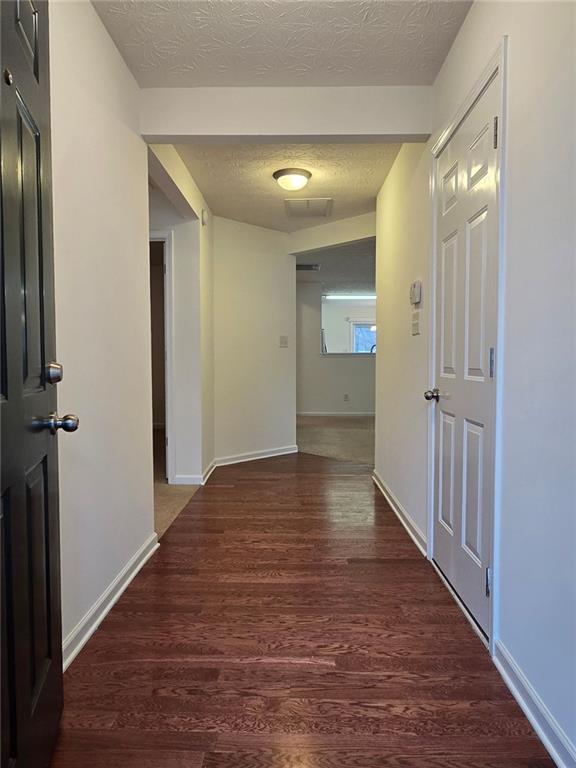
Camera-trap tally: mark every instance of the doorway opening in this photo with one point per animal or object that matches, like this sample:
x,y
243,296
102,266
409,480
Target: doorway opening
x,y
336,350
169,499
158,347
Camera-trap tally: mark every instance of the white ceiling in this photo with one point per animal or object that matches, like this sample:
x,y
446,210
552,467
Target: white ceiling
x,y
346,268
187,43
236,179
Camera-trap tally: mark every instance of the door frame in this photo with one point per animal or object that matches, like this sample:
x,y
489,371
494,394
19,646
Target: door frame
x,y
166,237
496,67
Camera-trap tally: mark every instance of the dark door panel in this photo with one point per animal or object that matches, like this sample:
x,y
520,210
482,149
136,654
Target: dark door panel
x,y
29,527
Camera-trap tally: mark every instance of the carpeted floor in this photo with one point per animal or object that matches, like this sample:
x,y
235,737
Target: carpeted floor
x,y
348,438
169,500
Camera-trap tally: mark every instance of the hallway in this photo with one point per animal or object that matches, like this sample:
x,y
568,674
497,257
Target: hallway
x,y
287,621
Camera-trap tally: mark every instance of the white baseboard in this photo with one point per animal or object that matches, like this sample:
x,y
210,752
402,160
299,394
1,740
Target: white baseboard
x,y
336,413
417,536
89,623
208,471
188,480
238,458
556,741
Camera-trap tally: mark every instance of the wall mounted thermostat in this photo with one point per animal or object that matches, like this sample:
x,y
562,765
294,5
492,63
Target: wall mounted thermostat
x,y
416,292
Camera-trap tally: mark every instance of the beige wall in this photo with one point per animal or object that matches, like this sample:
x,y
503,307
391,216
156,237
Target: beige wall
x,y
402,256
157,332
102,312
254,304
322,380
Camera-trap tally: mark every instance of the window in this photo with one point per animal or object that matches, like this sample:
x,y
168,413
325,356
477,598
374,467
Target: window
x,y
341,315
363,337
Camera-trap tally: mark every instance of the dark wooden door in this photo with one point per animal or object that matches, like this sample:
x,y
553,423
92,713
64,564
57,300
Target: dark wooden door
x,y
31,625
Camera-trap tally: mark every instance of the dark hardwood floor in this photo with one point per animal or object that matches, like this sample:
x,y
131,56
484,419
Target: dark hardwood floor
x,y
287,621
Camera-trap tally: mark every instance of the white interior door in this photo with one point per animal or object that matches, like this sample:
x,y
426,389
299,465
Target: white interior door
x,y
466,325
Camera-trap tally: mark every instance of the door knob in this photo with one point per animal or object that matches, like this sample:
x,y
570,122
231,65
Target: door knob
x,y
54,373
432,394
68,423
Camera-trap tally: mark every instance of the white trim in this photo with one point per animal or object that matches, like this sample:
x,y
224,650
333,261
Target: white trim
x,y
188,480
236,459
496,67
89,623
166,237
252,456
353,322
490,71
207,472
500,335
336,413
550,732
417,536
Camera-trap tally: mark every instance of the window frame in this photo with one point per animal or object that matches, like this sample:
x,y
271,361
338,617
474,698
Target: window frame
x,y
353,323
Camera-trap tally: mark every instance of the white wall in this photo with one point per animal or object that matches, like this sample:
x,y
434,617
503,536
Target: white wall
x,y
337,316
537,619
396,112
323,380
191,417
402,256
536,625
254,304
333,233
102,308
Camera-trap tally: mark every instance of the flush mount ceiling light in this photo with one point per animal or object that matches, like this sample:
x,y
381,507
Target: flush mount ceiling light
x,y
292,179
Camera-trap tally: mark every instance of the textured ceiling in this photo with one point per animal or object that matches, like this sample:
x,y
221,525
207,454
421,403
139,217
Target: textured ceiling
x,y
169,43
346,268
236,179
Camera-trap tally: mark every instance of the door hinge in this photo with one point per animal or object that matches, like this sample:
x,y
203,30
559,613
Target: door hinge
x,y
492,354
496,132
488,582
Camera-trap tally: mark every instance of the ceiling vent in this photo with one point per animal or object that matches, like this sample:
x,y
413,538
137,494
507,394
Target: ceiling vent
x,y
312,207
308,267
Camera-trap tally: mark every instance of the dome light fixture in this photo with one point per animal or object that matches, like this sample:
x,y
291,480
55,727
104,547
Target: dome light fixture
x,y
292,179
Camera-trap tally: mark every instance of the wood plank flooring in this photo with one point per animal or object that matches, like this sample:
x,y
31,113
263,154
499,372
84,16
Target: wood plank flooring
x,y
287,621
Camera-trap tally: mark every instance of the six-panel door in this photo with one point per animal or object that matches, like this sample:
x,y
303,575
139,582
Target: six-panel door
x,y
466,323
31,631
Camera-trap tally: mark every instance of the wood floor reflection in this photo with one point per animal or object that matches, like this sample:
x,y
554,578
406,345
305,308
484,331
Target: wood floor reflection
x,y
287,621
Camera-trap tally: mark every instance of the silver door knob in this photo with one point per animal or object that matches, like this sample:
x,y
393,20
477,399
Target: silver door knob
x,y
54,373
432,394
68,423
